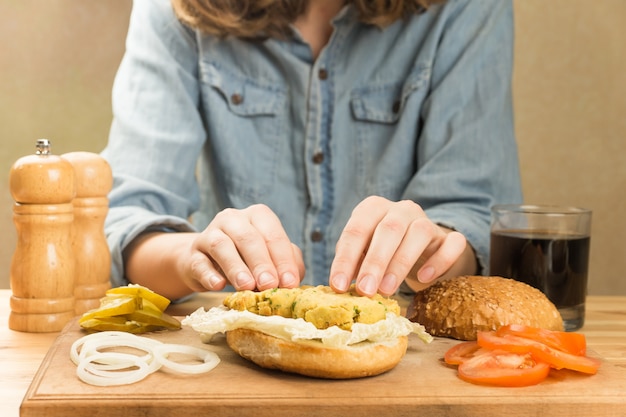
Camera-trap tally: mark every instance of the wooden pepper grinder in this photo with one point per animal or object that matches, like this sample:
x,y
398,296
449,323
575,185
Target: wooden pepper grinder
x,y
92,257
42,268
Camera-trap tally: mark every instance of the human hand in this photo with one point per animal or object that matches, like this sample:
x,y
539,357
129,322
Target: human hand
x,y
248,248
384,241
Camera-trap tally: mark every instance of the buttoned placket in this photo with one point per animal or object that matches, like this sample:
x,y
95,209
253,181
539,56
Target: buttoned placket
x,y
318,161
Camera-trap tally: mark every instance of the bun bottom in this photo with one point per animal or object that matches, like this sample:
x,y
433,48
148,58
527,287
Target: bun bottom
x,y
314,359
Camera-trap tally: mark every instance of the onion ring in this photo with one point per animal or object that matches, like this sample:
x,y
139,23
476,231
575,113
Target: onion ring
x,y
93,346
77,345
106,368
210,359
107,378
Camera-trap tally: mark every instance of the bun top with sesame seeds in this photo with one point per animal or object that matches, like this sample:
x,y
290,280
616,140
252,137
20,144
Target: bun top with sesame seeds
x,y
462,306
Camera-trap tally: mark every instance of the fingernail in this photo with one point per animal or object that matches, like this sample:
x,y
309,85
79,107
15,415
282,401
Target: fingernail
x,y
243,280
266,280
368,285
212,281
388,284
341,282
426,275
289,280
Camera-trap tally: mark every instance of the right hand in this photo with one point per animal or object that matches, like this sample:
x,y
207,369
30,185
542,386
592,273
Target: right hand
x,y
247,248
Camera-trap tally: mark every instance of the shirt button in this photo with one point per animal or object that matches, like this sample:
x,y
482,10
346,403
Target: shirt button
x,y
318,157
317,236
322,74
396,106
236,99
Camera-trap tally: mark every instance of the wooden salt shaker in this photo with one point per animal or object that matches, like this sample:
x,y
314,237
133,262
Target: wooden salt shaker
x,y
92,257
42,268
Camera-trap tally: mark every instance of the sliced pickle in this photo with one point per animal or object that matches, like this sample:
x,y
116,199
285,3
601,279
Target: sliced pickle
x,y
120,324
133,309
147,294
115,305
148,317
149,306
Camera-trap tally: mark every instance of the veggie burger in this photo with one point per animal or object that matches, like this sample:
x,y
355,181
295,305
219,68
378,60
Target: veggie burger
x,y
311,331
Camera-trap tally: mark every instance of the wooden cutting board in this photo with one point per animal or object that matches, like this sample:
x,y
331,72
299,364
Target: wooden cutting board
x,y
420,385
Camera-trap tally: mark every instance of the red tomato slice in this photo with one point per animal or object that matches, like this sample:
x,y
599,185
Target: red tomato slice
x,y
461,352
503,369
574,343
540,351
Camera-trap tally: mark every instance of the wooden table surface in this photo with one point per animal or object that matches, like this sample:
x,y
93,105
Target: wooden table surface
x,y
22,353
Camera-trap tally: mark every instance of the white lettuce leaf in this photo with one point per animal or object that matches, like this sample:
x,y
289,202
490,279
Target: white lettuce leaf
x,y
221,319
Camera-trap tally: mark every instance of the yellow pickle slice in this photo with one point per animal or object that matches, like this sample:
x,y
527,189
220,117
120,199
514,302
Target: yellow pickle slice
x,y
133,309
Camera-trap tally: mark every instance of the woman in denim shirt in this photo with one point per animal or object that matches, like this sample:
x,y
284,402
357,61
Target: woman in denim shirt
x,y
357,142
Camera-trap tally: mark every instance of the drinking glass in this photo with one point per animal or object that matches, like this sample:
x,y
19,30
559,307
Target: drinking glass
x,y
546,247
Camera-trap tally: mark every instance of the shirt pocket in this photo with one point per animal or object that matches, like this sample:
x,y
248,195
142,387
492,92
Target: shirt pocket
x,y
245,119
386,119
385,102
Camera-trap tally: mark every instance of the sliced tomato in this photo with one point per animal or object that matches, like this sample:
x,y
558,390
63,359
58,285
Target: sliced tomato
x,y
540,351
503,369
509,343
461,352
574,343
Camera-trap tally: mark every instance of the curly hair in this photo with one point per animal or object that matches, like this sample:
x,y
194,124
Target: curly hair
x,y
254,19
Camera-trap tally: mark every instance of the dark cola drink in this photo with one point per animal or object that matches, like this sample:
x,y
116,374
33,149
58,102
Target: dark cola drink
x,y
556,264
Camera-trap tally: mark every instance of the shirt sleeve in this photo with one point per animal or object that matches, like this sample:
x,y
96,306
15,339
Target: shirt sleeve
x,y
157,132
467,154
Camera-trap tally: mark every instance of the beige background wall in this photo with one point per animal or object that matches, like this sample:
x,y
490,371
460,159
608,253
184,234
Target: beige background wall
x,y
570,105
57,63
59,57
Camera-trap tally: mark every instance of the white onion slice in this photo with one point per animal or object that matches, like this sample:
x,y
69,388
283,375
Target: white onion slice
x,y
108,378
210,359
141,343
107,368
106,335
121,368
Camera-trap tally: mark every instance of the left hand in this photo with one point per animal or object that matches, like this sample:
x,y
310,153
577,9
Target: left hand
x,y
384,241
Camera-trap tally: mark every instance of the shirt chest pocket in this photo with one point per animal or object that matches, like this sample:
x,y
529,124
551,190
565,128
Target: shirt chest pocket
x,y
245,122
385,102
244,96
386,123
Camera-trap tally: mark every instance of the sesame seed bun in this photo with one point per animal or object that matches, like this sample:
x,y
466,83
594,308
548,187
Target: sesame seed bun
x,y
460,307
311,331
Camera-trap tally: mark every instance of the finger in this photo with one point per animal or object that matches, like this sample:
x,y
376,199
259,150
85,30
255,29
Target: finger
x,y
443,258
219,247
297,255
251,246
204,275
386,240
418,238
278,246
353,243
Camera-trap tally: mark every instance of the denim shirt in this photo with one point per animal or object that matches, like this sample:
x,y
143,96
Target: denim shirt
x,y
419,110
